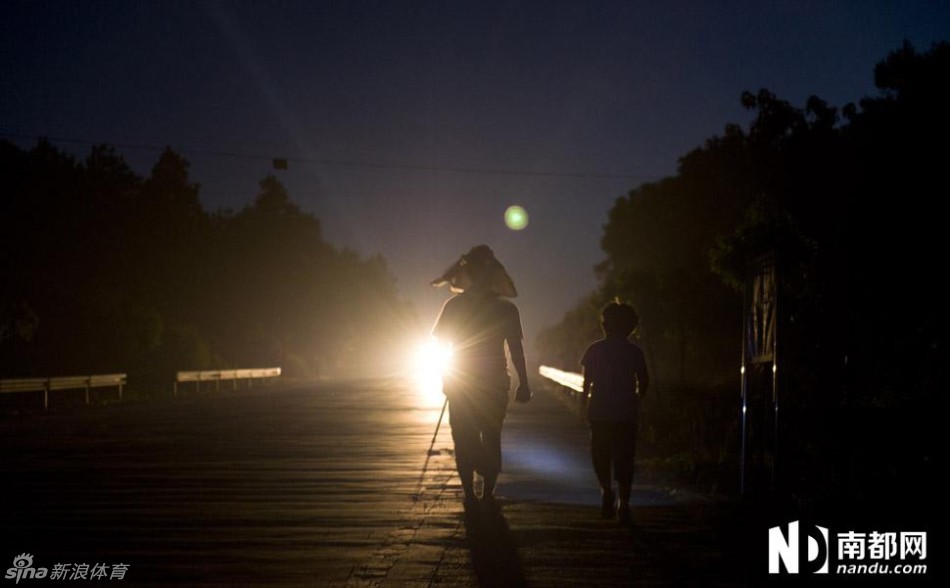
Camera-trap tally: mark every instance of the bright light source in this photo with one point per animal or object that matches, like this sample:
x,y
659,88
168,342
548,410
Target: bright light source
x,y
432,360
516,218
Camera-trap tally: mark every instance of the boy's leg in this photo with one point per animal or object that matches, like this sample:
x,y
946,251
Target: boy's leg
x,y
624,453
600,453
600,456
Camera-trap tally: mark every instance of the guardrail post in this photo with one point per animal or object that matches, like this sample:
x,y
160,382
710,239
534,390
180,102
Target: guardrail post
x,y
87,390
46,396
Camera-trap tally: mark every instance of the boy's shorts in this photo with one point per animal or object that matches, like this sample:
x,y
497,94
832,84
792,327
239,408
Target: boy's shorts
x,y
614,438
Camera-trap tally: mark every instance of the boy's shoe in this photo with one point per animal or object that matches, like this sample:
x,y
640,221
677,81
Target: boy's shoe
x,y
607,505
624,516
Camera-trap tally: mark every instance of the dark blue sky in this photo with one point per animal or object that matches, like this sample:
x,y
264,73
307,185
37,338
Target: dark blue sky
x,y
604,88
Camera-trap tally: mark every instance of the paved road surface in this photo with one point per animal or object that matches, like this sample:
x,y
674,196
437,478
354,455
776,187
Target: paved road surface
x,y
330,485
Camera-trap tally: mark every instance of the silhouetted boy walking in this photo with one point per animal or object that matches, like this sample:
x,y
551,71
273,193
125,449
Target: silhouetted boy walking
x,y
615,378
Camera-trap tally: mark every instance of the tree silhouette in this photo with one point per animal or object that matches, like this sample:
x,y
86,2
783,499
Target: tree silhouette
x,y
848,205
111,272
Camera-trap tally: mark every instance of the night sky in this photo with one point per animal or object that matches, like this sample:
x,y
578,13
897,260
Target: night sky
x,y
411,126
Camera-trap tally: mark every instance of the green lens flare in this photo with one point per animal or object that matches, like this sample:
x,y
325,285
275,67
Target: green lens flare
x,y
516,218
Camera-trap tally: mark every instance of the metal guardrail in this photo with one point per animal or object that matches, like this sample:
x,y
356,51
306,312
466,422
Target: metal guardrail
x,y
570,380
45,385
217,375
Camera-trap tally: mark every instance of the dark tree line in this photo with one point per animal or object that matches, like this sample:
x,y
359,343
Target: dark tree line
x,y
850,203
106,271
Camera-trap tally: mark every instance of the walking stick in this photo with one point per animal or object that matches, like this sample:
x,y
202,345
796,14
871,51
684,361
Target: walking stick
x,y
437,425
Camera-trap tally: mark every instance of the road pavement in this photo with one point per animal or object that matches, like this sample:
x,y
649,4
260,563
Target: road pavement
x,y
332,484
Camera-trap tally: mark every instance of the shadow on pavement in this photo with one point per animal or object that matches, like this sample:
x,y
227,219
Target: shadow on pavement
x,y
493,549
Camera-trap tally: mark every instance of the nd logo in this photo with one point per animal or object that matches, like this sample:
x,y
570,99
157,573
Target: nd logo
x,y
787,547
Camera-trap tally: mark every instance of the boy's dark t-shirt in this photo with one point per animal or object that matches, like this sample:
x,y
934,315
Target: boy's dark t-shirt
x,y
617,370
